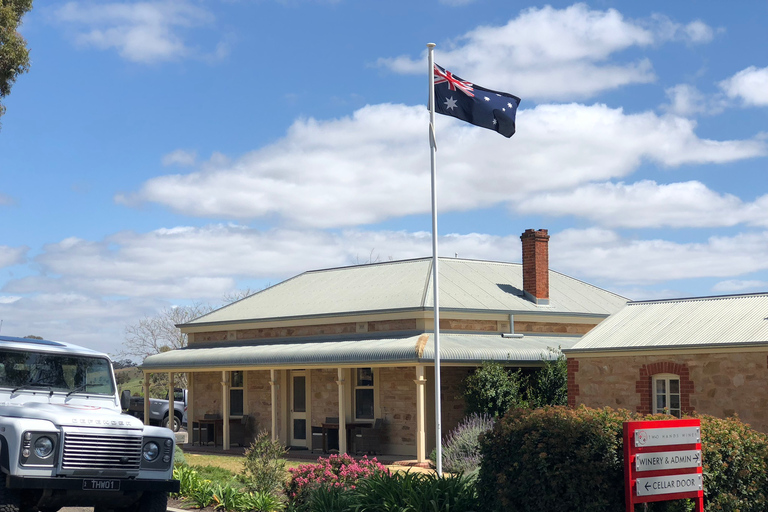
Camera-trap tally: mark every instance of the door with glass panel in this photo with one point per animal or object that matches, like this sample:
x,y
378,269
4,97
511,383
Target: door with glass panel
x,y
298,408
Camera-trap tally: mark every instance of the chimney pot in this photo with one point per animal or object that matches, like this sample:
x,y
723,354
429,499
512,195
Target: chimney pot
x,y
536,265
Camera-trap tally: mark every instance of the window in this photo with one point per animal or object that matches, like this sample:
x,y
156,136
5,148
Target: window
x,y
236,394
364,394
666,394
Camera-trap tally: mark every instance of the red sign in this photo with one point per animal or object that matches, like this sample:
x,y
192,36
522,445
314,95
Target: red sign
x,y
662,462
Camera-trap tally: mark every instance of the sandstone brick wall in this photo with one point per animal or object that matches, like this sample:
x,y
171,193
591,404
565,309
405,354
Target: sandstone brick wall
x,y
207,394
324,395
452,405
259,396
719,384
398,406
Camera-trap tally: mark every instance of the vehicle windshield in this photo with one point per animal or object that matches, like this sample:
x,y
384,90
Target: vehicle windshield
x,y
55,372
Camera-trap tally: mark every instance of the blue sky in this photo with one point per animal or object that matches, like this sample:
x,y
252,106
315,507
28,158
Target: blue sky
x,y
161,153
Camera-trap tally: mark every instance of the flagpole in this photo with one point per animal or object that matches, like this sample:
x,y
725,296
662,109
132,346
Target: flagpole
x,y
435,287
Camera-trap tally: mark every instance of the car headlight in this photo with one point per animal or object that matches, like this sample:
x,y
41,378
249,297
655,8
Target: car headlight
x,y
150,451
43,447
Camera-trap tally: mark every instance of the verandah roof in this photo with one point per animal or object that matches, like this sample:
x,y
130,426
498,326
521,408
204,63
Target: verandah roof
x,y
323,352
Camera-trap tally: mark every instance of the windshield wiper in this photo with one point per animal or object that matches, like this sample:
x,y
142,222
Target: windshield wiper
x,y
31,385
78,388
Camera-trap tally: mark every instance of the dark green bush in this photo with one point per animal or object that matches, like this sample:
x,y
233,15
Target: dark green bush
x,y
554,459
415,492
560,459
735,460
493,390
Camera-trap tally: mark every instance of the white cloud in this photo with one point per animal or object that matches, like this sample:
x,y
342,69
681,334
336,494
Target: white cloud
x,y
144,32
180,157
695,32
750,85
602,254
91,290
555,54
740,286
647,204
12,255
374,165
6,200
686,100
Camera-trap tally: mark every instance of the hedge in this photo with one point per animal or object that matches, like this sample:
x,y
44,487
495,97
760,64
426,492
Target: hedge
x,y
562,459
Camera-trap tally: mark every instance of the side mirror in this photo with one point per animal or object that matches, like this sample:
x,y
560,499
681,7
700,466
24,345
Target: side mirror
x,y
125,399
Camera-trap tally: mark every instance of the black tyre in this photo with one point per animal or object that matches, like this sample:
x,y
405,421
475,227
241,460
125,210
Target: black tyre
x,y
176,423
149,502
153,501
9,498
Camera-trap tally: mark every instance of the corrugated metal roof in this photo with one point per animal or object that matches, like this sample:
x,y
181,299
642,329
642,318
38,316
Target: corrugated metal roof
x,y
413,348
407,285
724,320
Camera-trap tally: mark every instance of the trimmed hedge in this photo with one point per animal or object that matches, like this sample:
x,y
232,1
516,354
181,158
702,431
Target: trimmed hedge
x,y
561,459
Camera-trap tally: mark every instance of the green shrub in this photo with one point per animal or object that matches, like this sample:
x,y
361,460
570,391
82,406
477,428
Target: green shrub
x,y
549,384
415,492
202,495
178,457
554,459
735,463
188,479
264,465
560,459
493,390
264,502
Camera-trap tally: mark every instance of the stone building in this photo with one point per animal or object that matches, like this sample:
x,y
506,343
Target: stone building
x,y
353,345
707,355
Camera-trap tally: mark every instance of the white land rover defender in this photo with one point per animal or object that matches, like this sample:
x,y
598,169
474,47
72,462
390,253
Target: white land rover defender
x,y
63,438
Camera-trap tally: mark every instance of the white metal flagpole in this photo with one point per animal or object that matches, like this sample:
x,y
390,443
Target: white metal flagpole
x,y
435,287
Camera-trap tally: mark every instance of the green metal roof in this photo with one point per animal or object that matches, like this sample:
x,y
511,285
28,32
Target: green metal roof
x,y
397,349
465,285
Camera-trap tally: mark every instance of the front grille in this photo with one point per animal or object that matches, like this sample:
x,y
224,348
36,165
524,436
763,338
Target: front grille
x,y
102,450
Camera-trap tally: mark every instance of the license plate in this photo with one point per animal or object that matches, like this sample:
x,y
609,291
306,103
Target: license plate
x,y
95,484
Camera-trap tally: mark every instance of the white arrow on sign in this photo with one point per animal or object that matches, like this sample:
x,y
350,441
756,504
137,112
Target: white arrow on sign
x,y
668,460
668,484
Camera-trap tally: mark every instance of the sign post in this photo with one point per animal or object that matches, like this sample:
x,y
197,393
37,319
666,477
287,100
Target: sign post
x,y
662,462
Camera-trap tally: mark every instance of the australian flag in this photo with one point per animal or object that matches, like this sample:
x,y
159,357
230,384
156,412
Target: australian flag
x,y
474,104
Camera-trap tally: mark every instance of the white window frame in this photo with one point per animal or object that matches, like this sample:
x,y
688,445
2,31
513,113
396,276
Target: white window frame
x,y
666,379
357,387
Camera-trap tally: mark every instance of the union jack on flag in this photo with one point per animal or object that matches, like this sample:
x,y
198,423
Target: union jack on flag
x,y
477,105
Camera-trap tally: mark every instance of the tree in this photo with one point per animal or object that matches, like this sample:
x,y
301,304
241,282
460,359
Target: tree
x,y
492,390
156,334
549,385
14,54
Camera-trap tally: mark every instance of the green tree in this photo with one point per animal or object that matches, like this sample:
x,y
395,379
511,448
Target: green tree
x,y
493,390
14,54
549,385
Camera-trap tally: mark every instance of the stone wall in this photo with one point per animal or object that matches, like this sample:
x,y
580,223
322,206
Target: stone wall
x,y
719,384
259,397
325,395
207,394
452,405
397,396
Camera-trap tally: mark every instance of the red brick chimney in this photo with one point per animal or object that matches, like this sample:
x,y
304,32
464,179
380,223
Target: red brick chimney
x,y
536,265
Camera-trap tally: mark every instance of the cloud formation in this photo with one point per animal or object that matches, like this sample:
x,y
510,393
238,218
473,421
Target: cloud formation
x,y
374,165
647,204
549,53
750,85
142,32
